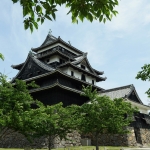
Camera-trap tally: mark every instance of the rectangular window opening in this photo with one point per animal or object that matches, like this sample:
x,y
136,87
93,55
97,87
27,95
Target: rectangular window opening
x,y
72,73
93,82
82,66
83,77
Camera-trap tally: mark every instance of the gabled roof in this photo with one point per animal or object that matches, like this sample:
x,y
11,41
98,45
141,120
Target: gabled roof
x,y
82,58
51,41
122,92
38,62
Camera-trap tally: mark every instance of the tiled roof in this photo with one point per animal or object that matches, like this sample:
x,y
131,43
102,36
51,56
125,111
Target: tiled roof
x,y
42,65
120,92
80,58
49,39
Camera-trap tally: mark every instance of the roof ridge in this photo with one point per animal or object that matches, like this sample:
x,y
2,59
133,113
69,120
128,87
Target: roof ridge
x,y
48,37
117,88
41,64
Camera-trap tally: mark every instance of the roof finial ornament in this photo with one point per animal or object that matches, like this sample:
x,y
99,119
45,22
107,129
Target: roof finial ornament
x,y
30,53
50,32
69,42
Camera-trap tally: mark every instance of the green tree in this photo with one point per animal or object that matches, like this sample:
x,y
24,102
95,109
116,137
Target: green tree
x,y
15,107
103,115
144,75
35,11
51,121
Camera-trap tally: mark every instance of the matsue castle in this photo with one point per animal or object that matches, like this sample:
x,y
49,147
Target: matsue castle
x,y
61,70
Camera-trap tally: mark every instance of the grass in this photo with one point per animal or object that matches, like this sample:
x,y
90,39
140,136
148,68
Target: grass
x,y
74,148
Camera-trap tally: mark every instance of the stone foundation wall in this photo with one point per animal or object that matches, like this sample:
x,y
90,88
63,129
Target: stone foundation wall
x,y
111,140
117,139
13,139
137,135
145,136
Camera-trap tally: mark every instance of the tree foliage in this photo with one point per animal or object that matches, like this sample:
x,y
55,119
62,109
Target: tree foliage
x,y
15,106
144,75
1,56
103,115
20,112
51,121
35,11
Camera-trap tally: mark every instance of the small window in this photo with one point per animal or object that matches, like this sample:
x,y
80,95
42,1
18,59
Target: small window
x,y
82,66
83,77
72,73
93,82
61,61
47,60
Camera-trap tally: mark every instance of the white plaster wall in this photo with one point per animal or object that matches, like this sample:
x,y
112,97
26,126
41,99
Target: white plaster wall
x,y
78,74
65,70
54,58
142,108
143,111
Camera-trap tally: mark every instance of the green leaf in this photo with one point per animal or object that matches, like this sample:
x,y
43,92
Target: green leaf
x,y
38,19
101,18
74,20
48,17
35,25
38,8
26,24
53,14
1,56
15,1
51,2
31,27
25,11
81,17
42,20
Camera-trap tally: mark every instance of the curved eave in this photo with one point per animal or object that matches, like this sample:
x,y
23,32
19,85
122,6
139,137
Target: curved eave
x,y
59,40
94,70
57,84
21,69
82,70
99,72
134,90
25,64
58,71
18,67
55,52
85,58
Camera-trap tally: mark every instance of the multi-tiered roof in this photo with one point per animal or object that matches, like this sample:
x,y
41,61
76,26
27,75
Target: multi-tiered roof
x,y
58,64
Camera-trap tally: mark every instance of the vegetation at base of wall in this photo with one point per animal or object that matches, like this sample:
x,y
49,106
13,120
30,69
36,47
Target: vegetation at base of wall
x,y
103,115
17,112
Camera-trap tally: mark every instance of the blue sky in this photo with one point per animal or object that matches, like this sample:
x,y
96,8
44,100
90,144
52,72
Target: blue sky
x,y
119,48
